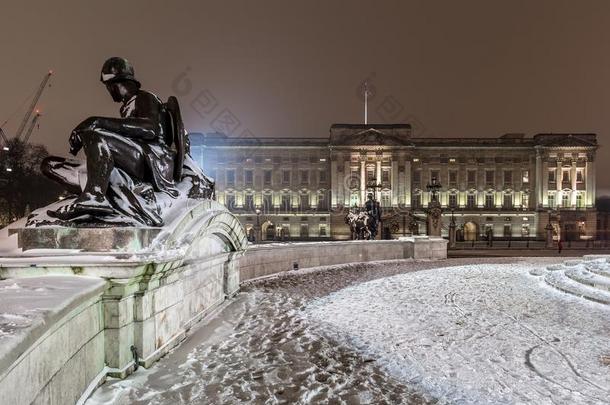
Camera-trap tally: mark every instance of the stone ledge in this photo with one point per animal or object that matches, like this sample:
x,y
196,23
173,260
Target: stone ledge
x,y
86,239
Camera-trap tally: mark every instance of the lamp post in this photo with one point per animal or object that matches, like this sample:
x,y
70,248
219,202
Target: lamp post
x,y
434,211
259,233
452,230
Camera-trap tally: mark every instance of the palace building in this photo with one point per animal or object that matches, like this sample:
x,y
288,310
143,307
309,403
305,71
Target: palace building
x,y
510,187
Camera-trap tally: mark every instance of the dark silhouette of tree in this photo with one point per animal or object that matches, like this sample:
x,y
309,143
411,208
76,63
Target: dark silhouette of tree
x,y
23,187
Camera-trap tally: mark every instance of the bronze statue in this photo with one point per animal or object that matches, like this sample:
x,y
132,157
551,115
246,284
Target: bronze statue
x,y
373,208
131,161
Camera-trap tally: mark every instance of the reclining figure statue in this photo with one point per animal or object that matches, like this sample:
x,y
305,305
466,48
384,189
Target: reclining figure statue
x,y
135,165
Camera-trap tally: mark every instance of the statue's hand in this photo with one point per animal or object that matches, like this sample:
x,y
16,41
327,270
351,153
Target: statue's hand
x,y
76,143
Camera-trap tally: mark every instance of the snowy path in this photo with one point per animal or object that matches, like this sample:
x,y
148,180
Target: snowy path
x,y
269,345
477,334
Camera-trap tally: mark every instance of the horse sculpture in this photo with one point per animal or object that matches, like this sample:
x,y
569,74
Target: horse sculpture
x,y
361,224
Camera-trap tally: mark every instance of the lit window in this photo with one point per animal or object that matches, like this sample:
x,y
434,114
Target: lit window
x,y
452,200
526,176
470,201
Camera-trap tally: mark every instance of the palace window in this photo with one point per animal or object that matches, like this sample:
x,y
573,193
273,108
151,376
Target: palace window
x,y
385,200
489,201
508,201
354,178
551,200
416,200
285,202
230,177
267,177
385,176
470,201
322,201
354,199
472,177
508,177
417,176
286,177
304,200
552,177
580,176
565,175
453,200
489,177
580,201
370,174
323,230
565,200
230,201
453,178
322,176
249,202
267,202
304,176
435,174
249,177
525,200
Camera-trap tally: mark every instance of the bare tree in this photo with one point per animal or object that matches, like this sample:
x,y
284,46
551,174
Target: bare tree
x,y
22,186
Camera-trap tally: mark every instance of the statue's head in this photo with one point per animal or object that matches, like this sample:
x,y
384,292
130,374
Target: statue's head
x,y
370,196
119,77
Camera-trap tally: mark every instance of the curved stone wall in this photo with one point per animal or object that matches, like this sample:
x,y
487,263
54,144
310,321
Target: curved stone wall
x,y
265,260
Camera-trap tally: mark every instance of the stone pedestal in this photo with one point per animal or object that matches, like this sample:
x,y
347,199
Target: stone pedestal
x,y
153,288
549,236
434,218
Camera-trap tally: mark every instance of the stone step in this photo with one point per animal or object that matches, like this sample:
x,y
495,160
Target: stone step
x,y
601,269
563,283
582,276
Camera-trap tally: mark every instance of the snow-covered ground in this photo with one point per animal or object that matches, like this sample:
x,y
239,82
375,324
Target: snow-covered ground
x,y
487,333
399,332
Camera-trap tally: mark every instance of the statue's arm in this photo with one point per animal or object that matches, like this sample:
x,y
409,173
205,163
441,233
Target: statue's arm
x,y
144,124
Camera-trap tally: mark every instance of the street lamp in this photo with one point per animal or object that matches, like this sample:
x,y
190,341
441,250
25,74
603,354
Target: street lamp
x,y
259,233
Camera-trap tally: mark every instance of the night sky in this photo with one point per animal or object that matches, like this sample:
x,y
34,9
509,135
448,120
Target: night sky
x,y
291,69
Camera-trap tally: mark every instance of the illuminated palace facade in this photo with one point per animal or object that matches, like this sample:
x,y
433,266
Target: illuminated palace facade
x,y
512,186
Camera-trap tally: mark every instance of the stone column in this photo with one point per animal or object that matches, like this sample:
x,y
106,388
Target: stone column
x,y
538,179
394,179
334,183
407,193
590,181
545,184
345,184
573,185
362,180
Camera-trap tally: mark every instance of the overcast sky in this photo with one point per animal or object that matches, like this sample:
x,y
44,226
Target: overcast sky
x,y
286,68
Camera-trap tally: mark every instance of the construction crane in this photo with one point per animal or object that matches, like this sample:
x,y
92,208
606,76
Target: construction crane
x,y
26,138
3,136
32,106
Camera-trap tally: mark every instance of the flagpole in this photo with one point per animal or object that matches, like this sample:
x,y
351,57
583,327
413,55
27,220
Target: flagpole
x,y
366,95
